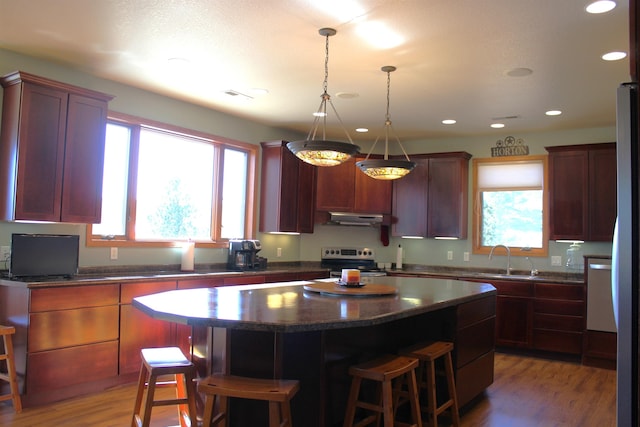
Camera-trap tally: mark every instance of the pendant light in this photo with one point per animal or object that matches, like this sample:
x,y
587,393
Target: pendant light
x,y
387,169
322,152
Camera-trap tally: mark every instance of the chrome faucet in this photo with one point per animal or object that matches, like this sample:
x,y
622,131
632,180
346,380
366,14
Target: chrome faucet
x,y
534,270
508,256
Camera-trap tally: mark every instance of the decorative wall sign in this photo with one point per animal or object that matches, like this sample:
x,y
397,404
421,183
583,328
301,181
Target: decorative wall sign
x,y
510,147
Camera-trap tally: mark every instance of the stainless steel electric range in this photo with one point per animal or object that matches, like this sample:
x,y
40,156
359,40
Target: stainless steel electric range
x,y
363,259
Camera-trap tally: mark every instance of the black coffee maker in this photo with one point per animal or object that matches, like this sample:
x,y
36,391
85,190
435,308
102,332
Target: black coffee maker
x,y
243,255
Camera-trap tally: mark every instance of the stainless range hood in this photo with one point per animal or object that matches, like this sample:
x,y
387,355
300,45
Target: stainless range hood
x,y
349,218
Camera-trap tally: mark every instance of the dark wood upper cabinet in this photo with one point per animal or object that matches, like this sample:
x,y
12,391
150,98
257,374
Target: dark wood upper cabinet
x,y
344,188
432,201
582,192
287,202
51,150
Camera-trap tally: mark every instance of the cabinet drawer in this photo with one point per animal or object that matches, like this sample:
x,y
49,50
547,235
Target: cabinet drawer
x,y
550,306
474,341
132,290
518,289
558,341
473,378
558,322
244,280
310,275
66,328
556,291
210,282
475,311
54,369
73,297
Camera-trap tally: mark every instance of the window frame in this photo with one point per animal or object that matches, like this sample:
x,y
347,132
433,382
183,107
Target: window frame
x,y
220,143
477,248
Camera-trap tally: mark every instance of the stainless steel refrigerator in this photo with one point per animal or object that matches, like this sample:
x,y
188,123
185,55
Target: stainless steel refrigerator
x,y
626,254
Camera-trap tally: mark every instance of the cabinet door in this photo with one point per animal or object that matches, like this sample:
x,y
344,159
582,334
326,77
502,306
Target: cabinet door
x,y
568,172
40,153
335,188
410,201
602,193
137,330
514,313
306,196
84,160
287,202
447,206
371,195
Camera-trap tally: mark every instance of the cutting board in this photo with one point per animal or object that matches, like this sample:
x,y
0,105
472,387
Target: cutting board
x,y
369,289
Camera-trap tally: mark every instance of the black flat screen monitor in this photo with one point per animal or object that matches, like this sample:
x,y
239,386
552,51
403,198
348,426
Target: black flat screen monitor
x,y
42,255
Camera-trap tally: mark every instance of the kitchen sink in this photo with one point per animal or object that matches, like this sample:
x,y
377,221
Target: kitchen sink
x,y
481,275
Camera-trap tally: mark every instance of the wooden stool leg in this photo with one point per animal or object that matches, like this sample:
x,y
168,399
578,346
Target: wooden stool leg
x,y
12,374
455,416
185,387
351,403
414,401
151,390
286,413
431,394
207,417
138,404
274,414
387,404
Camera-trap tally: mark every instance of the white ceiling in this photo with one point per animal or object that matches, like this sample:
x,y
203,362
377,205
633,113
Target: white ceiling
x,y
452,62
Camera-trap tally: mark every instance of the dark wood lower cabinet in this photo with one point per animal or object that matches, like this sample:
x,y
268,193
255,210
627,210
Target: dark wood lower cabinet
x,y
321,359
76,339
547,317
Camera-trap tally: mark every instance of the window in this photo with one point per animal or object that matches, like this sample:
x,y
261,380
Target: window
x,y
164,185
510,204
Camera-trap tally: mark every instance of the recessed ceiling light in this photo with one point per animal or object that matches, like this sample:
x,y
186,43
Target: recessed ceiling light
x,y
601,6
347,95
259,91
237,95
362,130
614,56
319,114
497,125
448,122
553,113
519,72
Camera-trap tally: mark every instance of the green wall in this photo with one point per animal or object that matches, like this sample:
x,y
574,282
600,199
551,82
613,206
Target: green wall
x,y
145,104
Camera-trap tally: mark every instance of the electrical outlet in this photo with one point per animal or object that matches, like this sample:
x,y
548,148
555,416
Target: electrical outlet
x,y
449,255
465,256
556,260
5,253
278,252
113,254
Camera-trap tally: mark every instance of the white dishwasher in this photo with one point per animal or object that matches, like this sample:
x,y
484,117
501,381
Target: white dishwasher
x,y
599,302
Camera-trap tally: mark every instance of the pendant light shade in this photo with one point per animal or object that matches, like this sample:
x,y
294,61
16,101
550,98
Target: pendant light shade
x,y
387,169
322,152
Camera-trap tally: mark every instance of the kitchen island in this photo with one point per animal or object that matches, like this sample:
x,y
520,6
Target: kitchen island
x,y
281,330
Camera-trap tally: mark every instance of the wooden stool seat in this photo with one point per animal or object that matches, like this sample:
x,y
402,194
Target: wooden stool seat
x,y
383,370
428,353
158,362
277,392
11,376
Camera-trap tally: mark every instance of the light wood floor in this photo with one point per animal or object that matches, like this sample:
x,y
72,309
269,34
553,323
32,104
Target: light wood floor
x,y
526,392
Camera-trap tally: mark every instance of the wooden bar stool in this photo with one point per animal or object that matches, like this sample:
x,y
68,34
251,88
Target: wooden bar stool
x,y
158,362
11,376
428,354
277,392
383,370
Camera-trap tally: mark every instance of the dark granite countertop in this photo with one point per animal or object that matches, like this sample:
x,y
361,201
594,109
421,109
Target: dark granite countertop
x,y
287,307
476,273
104,275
